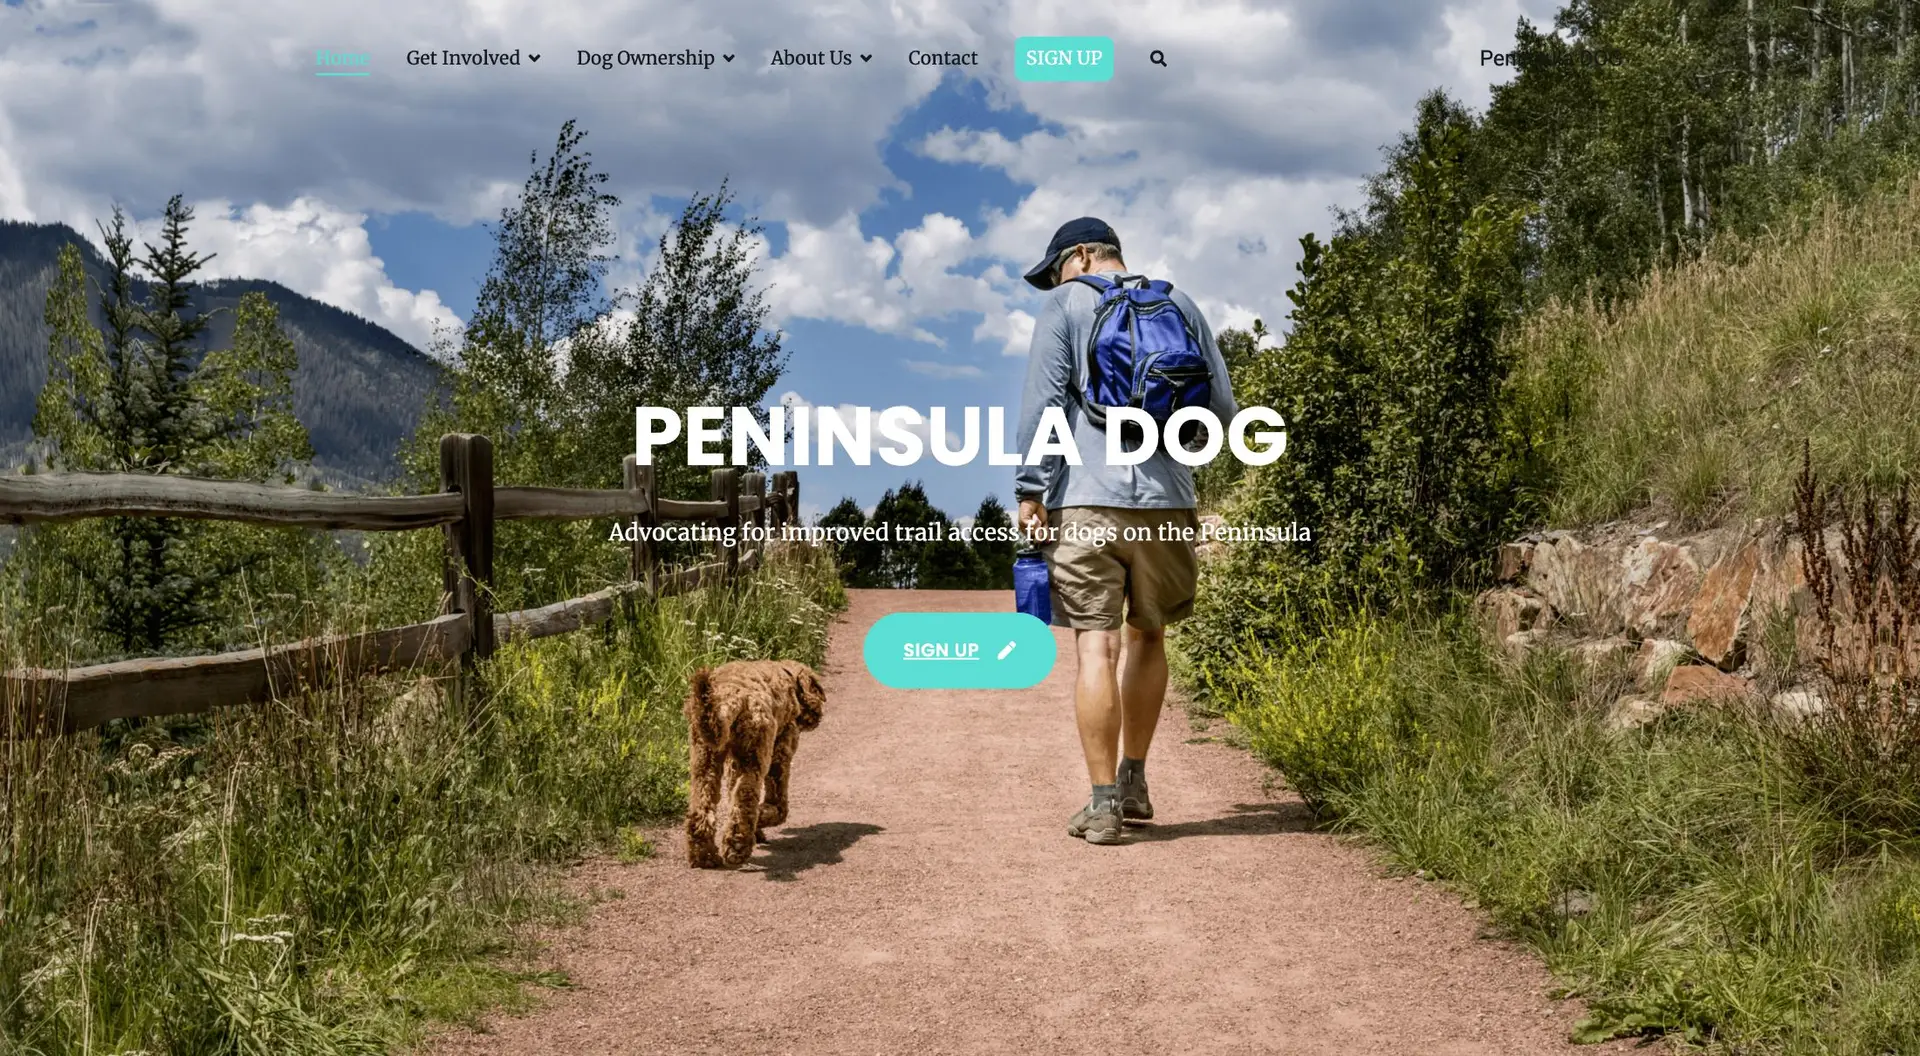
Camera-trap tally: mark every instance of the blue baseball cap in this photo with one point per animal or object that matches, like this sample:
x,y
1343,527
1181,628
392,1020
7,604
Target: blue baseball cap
x,y
1071,234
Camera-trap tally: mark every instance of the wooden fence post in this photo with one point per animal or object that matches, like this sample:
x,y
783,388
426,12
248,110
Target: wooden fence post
x,y
777,518
466,466
726,488
641,565
754,485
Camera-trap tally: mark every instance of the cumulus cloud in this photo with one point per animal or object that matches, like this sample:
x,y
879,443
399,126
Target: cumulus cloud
x,y
1266,114
138,100
318,250
837,273
944,371
1013,328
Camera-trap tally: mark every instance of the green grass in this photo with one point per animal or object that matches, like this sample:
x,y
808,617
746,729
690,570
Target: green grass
x,y
337,871
1692,401
1681,879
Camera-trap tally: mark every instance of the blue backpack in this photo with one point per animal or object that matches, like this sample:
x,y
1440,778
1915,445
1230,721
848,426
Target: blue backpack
x,y
1145,354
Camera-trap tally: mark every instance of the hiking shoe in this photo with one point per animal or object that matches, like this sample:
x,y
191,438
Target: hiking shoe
x,y
1134,804
1097,822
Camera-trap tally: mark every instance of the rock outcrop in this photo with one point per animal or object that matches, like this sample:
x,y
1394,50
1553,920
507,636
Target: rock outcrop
x,y
1692,617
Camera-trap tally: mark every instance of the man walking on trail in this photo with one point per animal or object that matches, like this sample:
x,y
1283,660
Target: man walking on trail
x,y
1103,590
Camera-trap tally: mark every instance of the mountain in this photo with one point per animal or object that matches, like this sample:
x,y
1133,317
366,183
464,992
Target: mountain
x,y
359,389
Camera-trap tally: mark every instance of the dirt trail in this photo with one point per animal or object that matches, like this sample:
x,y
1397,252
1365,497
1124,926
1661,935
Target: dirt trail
x,y
923,897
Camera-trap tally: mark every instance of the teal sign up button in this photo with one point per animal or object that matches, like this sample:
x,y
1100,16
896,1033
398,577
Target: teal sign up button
x,y
1063,58
959,650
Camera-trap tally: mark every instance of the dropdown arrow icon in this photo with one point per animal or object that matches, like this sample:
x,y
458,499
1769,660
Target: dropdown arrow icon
x,y
531,57
729,58
866,58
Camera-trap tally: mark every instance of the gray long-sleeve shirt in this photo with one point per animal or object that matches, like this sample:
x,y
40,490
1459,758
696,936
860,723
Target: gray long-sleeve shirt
x,y
1056,367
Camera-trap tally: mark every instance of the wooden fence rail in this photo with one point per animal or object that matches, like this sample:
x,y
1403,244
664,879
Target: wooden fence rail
x,y
467,508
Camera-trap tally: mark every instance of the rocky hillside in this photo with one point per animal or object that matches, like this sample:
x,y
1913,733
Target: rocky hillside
x,y
1717,615
359,390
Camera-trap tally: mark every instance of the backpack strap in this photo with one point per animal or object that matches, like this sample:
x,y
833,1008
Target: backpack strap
x,y
1096,281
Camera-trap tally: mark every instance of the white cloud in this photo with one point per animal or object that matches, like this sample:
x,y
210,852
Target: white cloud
x,y
836,273
311,247
13,185
135,101
944,371
892,287
1266,114
1012,328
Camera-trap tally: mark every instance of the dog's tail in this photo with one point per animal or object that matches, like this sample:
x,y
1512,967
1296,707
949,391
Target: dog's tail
x,y
700,716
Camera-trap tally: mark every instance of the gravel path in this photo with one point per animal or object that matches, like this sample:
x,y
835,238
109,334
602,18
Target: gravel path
x,y
923,897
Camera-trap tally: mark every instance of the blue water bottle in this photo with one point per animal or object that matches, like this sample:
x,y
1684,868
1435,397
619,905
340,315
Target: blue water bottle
x,y
1032,593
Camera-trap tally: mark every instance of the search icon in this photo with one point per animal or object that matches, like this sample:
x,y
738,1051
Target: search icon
x,y
1157,57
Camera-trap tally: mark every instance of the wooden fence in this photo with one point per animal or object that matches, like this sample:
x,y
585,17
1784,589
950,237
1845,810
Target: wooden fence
x,y
467,507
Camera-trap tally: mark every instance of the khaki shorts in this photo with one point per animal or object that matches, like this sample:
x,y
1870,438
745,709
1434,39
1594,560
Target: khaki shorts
x,y
1150,582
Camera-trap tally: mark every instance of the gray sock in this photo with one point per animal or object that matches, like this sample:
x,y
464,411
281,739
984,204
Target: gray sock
x,y
1132,771
1105,794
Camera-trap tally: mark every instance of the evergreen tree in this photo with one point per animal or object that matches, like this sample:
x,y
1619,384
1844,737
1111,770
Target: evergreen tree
x,y
859,558
142,396
949,564
907,506
995,558
940,563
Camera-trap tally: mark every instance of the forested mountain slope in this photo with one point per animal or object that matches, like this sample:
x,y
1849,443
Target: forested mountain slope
x,y
359,390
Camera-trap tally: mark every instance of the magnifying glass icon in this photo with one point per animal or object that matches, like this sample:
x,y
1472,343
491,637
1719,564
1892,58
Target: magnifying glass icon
x,y
1157,57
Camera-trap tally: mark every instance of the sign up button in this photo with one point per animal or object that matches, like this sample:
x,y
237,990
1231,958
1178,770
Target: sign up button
x,y
1063,58
959,650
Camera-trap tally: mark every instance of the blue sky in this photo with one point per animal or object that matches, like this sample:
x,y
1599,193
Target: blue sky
x,y
900,203
840,361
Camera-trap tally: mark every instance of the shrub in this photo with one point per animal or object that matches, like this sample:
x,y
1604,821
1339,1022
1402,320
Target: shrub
x,y
1325,711
1860,756
1393,384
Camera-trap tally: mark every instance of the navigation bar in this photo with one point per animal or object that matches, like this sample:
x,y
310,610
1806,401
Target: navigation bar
x,y
1035,58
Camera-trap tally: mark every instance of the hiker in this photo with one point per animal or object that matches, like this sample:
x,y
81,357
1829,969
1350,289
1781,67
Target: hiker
x,y
1101,322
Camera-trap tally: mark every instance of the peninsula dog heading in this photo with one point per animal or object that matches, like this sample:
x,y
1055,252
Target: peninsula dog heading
x,y
808,436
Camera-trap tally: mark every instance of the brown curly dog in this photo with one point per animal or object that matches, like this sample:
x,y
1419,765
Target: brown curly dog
x,y
744,720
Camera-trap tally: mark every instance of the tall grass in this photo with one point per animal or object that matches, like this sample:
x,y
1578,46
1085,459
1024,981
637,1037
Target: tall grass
x,y
1693,398
1685,879
330,872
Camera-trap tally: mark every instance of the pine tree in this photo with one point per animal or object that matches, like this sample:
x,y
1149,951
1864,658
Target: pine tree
x,y
141,396
859,558
995,558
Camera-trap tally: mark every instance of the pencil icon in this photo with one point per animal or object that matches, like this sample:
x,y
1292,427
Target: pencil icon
x,y
1005,651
